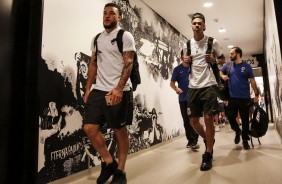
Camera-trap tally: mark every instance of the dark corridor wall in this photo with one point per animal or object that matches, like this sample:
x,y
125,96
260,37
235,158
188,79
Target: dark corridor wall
x,y
19,43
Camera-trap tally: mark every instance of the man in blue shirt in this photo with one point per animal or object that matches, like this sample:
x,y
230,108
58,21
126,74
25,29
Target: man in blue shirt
x,y
240,75
180,75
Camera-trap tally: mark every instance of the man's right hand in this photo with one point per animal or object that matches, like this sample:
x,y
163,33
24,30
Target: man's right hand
x,y
178,90
87,92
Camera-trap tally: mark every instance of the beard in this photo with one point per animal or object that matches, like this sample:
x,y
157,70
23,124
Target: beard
x,y
111,25
233,58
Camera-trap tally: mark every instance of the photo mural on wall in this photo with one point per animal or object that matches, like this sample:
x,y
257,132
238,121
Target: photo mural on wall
x,y
275,70
64,148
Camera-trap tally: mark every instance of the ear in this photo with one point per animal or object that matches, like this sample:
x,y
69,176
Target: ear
x,y
204,28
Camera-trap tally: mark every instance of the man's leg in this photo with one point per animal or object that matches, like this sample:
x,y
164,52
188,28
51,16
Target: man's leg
x,y
231,113
193,135
98,141
183,110
123,146
244,111
195,123
190,133
109,165
209,138
215,121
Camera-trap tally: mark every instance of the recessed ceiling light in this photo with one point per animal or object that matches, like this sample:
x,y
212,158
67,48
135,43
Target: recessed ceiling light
x,y
207,5
222,30
230,46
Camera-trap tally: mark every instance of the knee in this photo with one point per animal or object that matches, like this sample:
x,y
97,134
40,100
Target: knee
x,y
209,118
88,129
193,123
121,132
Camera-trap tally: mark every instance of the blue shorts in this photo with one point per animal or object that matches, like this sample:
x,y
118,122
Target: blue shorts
x,y
202,101
98,112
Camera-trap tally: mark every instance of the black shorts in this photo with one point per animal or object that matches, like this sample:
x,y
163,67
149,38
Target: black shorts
x,y
202,101
98,112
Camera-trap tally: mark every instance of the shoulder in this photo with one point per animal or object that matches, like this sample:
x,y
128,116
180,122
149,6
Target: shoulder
x,y
177,68
127,35
98,37
215,42
248,66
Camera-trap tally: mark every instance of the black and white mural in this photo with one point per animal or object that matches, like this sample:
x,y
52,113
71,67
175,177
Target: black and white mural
x,y
274,65
68,28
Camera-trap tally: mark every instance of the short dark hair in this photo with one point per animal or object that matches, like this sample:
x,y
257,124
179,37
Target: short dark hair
x,y
114,5
198,15
181,53
238,50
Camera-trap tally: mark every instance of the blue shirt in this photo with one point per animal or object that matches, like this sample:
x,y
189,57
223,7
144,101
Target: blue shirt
x,y
180,75
238,82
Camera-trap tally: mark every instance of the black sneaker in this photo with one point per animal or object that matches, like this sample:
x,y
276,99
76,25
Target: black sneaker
x,y
246,145
237,137
119,177
206,162
189,144
107,171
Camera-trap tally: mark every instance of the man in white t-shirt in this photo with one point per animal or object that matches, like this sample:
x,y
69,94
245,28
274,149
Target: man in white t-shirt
x,y
202,90
108,101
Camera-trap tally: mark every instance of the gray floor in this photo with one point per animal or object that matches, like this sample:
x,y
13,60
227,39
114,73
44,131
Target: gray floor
x,y
172,163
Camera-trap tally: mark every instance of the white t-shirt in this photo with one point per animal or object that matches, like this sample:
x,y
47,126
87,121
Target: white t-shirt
x,y
110,61
201,74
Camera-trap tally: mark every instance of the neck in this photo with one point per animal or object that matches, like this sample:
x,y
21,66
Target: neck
x,y
199,36
185,64
110,29
238,61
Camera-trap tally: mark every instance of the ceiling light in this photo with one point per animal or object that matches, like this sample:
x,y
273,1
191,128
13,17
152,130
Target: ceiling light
x,y
222,30
230,46
207,5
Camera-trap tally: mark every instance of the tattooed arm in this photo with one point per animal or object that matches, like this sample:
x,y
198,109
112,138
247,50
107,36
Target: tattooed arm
x,y
116,93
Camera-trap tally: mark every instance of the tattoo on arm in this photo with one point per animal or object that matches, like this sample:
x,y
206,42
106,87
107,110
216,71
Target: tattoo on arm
x,y
128,63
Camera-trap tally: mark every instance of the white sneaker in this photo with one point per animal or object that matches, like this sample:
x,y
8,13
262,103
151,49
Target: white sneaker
x,y
216,128
221,125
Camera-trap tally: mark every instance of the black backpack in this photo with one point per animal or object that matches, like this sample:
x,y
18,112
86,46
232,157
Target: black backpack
x,y
259,124
209,51
135,74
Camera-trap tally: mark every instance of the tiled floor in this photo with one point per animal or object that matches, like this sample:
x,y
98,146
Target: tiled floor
x,y
172,163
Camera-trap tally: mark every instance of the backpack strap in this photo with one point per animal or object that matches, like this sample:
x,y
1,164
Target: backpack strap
x,y
119,40
188,44
210,43
229,64
95,45
188,53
